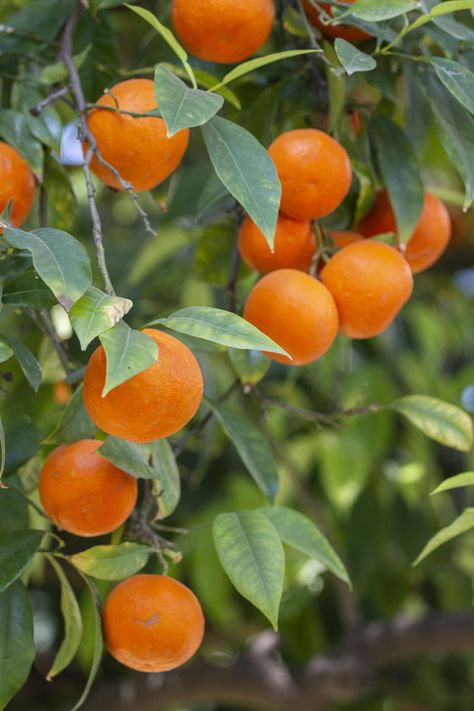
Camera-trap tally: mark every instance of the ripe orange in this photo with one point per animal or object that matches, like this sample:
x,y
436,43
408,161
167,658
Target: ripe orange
x,y
155,403
370,282
431,235
82,492
295,245
314,170
343,238
16,183
223,31
297,312
152,623
137,147
351,34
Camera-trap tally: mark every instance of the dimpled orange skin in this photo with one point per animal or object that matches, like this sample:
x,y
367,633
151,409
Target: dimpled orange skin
x,y
314,170
295,245
223,31
297,312
16,183
370,282
428,241
351,34
153,404
137,147
83,493
152,623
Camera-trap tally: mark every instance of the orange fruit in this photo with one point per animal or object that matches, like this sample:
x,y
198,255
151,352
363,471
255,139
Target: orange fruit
x,y
82,492
16,183
223,31
137,148
314,170
343,238
155,403
62,392
351,34
297,312
430,237
370,282
152,623
295,245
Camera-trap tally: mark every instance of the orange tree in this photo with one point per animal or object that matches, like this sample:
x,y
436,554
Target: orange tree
x,y
236,335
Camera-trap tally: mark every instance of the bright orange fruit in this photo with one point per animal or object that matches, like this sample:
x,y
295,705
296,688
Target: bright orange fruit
x,y
16,183
295,245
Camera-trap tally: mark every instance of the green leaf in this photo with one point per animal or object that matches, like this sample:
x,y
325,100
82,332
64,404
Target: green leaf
x,y
28,290
128,456
252,446
400,173
455,482
17,647
5,352
28,363
75,423
337,86
252,555
376,11
246,170
252,64
208,81
98,646
60,260
169,38
457,79
439,420
2,451
180,106
167,481
15,131
96,312
250,366
303,535
128,352
112,562
62,202
17,549
463,523
72,623
219,326
352,59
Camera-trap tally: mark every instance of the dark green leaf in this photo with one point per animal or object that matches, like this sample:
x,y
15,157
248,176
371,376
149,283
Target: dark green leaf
x,y
98,645
352,59
28,363
112,562
128,352
75,423
128,456
464,522
28,290
96,312
455,482
13,506
457,79
17,549
251,553
72,623
17,648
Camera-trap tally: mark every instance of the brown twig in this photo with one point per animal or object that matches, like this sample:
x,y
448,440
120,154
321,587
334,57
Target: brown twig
x,y
332,419
50,99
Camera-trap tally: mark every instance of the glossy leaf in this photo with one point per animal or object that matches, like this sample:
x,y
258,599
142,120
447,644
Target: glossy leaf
x,y
246,170
352,59
168,482
464,522
180,106
111,562
300,533
72,623
252,446
219,326
458,79
98,645
17,648
252,64
376,11
128,352
455,482
96,312
75,423
28,363
17,549
439,420
400,173
252,555
60,260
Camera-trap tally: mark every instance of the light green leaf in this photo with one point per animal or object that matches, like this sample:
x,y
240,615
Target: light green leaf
x,y
457,79
252,64
246,170
72,623
252,446
128,352
299,532
352,59
219,326
60,260
251,366
17,647
96,312
28,363
376,11
455,482
75,423
463,523
5,351
167,482
98,644
180,106
439,420
112,562
400,173
169,38
17,549
252,555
